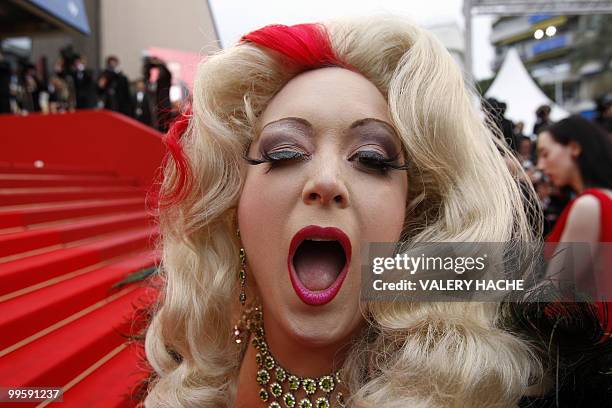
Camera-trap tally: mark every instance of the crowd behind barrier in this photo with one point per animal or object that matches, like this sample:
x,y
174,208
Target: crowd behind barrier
x,y
72,85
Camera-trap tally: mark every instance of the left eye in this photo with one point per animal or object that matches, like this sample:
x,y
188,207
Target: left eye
x,y
373,161
284,155
277,157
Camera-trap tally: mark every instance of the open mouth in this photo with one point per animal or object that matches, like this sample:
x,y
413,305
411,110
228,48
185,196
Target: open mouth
x,y
318,262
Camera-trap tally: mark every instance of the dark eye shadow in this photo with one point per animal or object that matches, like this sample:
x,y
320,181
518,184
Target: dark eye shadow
x,y
286,131
270,141
378,132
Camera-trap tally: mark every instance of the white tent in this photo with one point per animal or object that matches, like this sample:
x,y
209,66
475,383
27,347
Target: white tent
x,y
514,86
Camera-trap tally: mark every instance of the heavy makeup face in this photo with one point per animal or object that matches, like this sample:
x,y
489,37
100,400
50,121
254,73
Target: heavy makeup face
x,y
320,184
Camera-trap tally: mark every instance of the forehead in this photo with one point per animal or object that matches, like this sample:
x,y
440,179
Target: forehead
x,y
544,140
327,97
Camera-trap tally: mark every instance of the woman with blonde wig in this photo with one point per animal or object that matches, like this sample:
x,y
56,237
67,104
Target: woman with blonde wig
x,y
303,143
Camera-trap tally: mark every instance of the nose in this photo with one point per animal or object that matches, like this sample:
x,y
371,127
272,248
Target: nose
x,y
326,187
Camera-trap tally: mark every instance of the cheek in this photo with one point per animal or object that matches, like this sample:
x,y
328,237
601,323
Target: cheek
x,y
263,209
255,201
384,209
258,201
263,196
547,164
560,159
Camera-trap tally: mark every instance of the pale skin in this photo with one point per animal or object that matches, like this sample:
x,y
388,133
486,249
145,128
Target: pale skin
x,y
330,116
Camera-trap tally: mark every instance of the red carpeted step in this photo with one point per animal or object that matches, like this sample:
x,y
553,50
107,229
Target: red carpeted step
x,y
22,215
21,273
14,196
62,180
56,358
30,168
118,377
46,306
17,242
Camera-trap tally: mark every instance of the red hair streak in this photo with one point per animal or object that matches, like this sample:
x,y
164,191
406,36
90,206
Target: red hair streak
x,y
307,46
183,171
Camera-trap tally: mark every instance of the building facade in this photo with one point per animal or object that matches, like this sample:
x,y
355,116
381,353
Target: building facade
x,y
129,30
554,48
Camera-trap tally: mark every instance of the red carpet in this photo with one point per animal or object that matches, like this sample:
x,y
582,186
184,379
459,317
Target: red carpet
x,y
68,234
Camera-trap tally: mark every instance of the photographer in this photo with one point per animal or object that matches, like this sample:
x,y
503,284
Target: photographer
x,y
114,88
158,79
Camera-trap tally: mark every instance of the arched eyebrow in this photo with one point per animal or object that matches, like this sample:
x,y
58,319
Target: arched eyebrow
x,y
304,123
372,128
365,121
289,121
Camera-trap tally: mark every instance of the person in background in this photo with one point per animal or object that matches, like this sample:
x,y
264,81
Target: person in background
x,y
143,109
552,201
604,112
525,154
542,188
542,119
577,154
114,88
519,129
5,85
507,128
84,84
159,80
496,111
106,95
30,87
62,95
60,99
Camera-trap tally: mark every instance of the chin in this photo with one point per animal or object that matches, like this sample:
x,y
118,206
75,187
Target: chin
x,y
554,180
322,325
559,183
320,330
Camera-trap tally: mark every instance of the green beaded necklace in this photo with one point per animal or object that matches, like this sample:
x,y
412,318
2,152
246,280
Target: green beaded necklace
x,y
277,384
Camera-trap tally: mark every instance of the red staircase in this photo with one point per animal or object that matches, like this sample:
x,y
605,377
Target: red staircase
x,y
68,235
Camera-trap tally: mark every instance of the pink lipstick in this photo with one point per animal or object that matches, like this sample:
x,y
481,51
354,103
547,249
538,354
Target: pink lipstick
x,y
326,238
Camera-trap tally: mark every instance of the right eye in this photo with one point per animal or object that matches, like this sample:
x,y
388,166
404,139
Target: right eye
x,y
284,155
279,157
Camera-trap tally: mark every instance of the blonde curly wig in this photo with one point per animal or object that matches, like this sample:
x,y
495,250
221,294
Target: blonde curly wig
x,y
413,354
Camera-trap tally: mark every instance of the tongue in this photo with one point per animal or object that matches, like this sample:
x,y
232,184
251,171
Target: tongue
x,y
318,263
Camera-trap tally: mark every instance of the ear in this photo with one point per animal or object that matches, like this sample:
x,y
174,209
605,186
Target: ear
x,y
575,149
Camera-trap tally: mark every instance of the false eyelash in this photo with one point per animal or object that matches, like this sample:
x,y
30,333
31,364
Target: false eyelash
x,y
281,156
368,159
372,161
